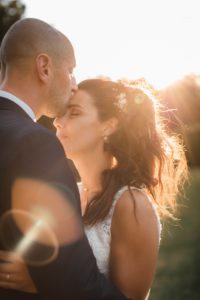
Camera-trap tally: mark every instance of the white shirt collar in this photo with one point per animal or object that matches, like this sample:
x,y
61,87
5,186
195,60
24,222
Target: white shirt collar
x,y
19,102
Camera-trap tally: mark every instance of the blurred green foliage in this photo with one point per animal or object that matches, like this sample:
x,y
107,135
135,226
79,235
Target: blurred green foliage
x,y
10,12
181,101
178,269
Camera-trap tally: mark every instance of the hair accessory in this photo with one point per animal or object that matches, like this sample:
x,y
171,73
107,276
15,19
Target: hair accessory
x,y
121,101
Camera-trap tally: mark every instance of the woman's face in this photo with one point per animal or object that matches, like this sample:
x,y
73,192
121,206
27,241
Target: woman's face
x,y
80,130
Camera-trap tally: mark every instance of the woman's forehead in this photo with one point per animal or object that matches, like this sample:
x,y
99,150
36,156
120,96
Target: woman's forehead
x,y
81,98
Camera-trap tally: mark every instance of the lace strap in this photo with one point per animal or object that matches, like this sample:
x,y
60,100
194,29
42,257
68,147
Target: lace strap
x,y
117,196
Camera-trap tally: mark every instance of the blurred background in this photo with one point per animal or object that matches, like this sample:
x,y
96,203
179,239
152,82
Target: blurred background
x,y
149,40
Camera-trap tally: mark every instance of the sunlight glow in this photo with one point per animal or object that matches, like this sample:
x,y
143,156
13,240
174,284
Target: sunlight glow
x,y
35,228
154,39
29,238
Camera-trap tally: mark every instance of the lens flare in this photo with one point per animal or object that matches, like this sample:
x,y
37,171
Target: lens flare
x,y
37,234
44,217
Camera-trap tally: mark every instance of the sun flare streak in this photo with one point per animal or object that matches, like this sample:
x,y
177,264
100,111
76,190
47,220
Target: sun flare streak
x,y
29,238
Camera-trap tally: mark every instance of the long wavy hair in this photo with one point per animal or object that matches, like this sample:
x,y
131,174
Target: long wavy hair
x,y
147,156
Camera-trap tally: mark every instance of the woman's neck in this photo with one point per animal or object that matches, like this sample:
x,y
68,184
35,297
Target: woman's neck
x,y
90,167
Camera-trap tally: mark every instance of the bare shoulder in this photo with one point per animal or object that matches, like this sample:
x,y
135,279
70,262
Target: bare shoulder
x,y
135,202
134,244
134,215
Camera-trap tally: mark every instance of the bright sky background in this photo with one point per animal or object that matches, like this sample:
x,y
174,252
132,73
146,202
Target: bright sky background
x,y
155,39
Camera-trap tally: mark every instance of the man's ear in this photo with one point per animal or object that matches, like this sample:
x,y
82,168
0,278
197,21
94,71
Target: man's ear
x,y
110,126
43,66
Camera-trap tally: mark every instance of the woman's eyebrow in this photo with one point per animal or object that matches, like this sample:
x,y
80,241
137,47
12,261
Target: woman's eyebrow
x,y
74,106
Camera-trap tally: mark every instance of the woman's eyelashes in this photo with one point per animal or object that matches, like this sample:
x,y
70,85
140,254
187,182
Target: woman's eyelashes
x,y
74,113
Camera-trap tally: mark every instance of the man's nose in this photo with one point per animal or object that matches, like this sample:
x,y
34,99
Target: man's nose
x,y
73,84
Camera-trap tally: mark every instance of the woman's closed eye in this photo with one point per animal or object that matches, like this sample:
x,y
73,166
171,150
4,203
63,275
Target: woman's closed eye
x,y
74,113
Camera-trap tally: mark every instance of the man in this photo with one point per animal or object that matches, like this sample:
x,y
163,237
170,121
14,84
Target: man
x,y
37,63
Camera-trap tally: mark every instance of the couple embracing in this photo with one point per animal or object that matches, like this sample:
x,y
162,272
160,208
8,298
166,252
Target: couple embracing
x,y
130,170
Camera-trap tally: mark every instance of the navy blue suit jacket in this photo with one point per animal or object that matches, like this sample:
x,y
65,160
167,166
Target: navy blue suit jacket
x,y
28,149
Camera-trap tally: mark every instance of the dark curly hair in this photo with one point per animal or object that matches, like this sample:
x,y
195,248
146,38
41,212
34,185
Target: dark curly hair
x,y
147,156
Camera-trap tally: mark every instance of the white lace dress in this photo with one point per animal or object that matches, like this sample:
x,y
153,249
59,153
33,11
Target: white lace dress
x,y
99,235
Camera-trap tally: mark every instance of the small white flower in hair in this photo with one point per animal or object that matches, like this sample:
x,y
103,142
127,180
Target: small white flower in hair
x,y
121,101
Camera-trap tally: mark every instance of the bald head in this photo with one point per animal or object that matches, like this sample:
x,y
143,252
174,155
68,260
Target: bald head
x,y
27,38
34,56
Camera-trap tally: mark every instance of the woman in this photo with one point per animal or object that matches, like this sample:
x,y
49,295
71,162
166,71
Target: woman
x,y
130,170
